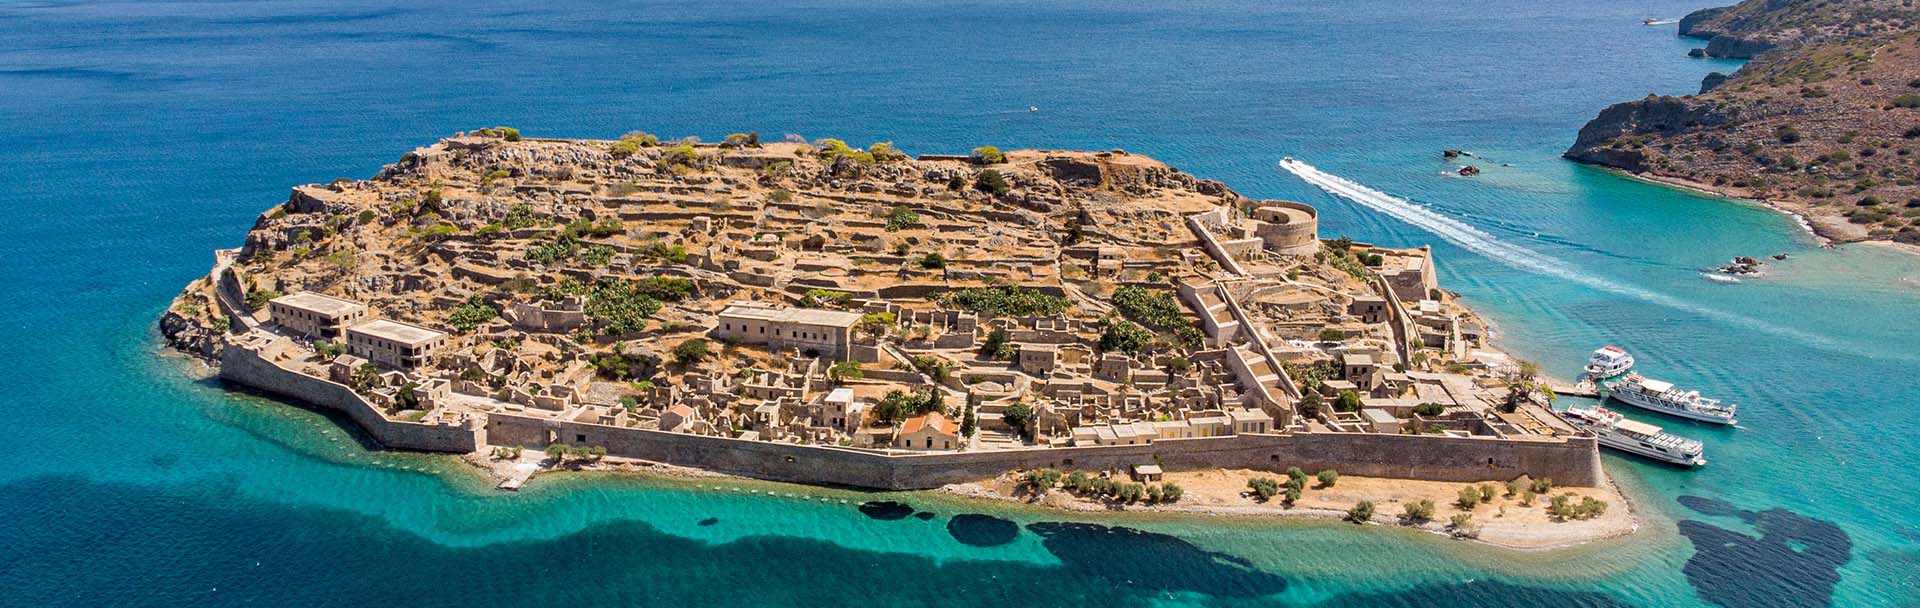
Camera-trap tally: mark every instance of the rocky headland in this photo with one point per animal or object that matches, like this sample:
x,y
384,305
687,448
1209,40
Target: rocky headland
x,y
1824,122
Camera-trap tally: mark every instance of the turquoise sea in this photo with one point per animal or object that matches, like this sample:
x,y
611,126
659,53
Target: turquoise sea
x,y
142,135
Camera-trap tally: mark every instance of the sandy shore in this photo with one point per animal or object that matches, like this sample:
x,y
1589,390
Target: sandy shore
x,y
1912,249
1828,229
1503,521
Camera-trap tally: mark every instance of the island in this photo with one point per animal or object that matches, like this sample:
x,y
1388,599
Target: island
x,y
1086,324
1823,123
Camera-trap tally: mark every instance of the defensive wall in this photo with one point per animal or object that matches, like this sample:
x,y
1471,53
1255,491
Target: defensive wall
x,y
1570,461
244,366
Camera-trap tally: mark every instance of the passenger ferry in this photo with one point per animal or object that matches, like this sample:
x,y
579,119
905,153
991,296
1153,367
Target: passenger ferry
x,y
1634,437
1649,394
1608,362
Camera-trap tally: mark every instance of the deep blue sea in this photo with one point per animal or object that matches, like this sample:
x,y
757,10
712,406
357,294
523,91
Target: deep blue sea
x,y
142,135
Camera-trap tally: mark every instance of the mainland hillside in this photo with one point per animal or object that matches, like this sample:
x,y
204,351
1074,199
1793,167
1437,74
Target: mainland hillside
x,y
1824,121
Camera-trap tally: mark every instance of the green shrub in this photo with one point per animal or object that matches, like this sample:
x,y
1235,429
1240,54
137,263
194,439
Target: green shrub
x,y
1347,401
666,289
825,298
902,217
328,349
992,182
618,307
1907,101
1328,478
682,156
1264,488
1361,513
1153,308
521,215
691,350
884,152
1125,336
676,253
471,314
1418,511
1005,301
1468,497
897,405
1787,134
1017,417
988,155
1463,526
831,149
258,298
933,261
995,343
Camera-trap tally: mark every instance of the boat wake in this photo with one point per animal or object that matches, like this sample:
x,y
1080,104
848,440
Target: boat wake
x,y
1483,243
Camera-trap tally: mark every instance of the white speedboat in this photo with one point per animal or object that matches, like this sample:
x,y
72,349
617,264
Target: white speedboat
x,y
1635,437
1608,362
1649,394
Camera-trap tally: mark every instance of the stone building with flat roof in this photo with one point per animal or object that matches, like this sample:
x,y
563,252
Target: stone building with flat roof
x,y
827,333
395,344
1409,272
315,315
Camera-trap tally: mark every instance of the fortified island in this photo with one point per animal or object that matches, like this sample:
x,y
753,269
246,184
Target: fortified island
x,y
817,313
1824,122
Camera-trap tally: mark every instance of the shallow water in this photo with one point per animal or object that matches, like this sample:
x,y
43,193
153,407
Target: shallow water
x,y
144,135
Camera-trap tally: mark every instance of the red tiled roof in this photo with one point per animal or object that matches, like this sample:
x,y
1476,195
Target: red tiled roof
x,y
941,424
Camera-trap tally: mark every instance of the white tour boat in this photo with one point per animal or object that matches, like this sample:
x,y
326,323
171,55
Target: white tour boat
x,y
1649,394
1608,362
1635,437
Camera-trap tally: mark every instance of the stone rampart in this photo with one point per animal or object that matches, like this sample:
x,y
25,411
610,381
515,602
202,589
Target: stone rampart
x,y
244,366
1573,461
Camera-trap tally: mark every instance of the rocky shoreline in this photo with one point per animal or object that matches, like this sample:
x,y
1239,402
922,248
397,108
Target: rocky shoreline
x,y
1822,124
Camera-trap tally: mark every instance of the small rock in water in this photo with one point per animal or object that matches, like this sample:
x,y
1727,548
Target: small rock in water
x,y
1742,265
1469,171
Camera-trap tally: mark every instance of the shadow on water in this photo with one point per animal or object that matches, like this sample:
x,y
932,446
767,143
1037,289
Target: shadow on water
x,y
75,542
886,510
1475,594
1794,563
974,529
1148,560
72,541
341,421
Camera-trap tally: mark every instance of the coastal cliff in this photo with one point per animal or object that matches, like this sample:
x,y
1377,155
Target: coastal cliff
x,y
1824,122
1748,29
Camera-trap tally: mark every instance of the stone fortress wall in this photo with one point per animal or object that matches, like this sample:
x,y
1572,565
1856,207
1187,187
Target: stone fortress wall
x,y
244,366
1287,227
1571,461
